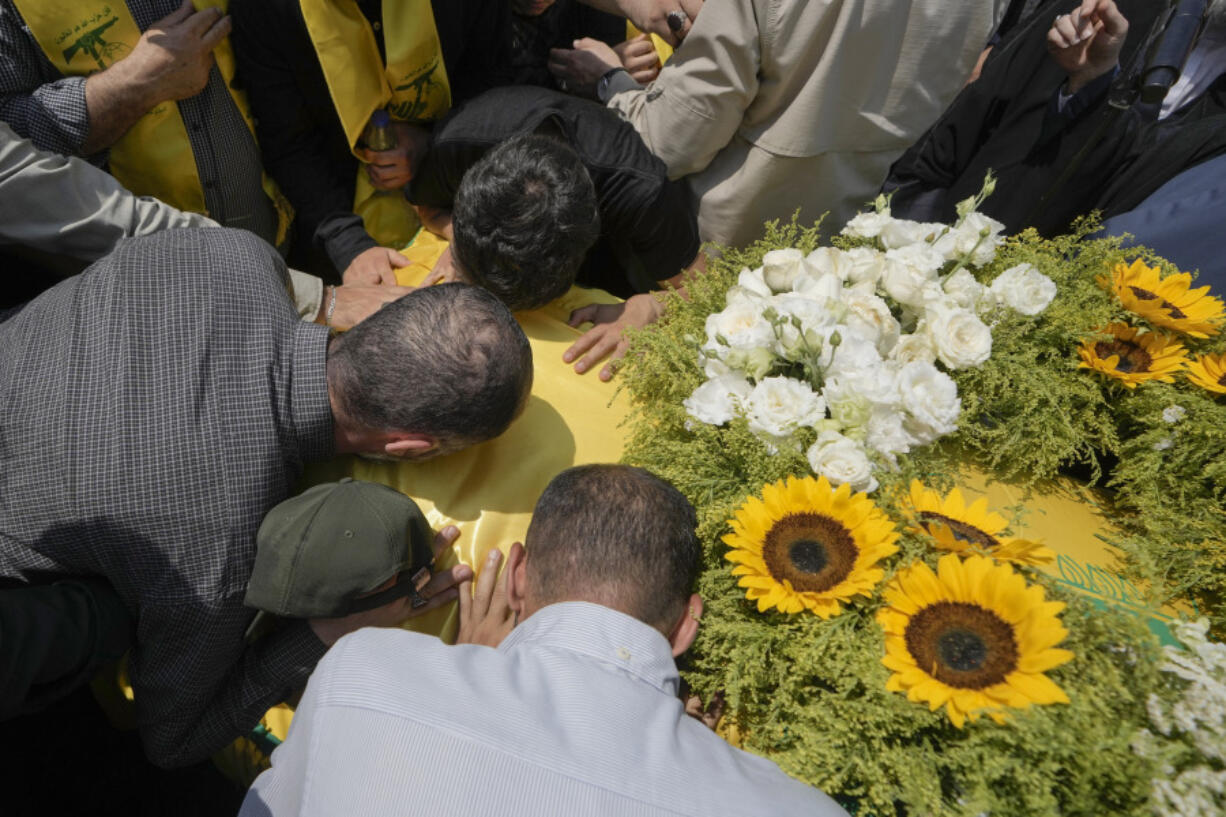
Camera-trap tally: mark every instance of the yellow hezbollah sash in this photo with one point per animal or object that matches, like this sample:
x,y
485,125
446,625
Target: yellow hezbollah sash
x,y
154,158
413,86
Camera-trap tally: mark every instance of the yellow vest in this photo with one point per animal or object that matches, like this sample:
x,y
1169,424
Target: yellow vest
x,y
154,158
412,85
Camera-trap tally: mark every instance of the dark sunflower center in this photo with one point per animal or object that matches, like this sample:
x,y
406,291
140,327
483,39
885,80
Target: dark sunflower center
x,y
962,645
961,531
1221,381
1132,357
808,556
811,550
1146,295
962,650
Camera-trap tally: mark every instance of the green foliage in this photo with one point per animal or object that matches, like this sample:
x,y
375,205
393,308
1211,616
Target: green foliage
x,y
1028,411
810,694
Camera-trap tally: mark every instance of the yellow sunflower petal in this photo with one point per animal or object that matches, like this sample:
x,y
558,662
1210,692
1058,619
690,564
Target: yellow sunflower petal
x,y
1038,688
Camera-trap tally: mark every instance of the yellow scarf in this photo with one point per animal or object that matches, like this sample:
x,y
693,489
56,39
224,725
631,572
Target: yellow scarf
x,y
412,85
154,158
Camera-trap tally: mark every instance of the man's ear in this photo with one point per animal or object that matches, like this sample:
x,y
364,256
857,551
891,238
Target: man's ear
x,y
686,629
409,446
516,571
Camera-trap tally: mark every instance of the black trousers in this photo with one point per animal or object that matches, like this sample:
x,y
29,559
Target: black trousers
x,y
54,637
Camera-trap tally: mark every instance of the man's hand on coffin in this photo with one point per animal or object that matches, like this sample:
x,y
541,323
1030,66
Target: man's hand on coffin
x,y
375,266
485,612
607,336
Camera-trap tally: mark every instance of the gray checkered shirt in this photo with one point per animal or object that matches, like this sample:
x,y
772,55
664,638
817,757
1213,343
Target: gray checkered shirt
x,y
49,109
152,410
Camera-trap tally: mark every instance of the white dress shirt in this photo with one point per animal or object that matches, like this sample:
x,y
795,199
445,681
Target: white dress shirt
x,y
575,714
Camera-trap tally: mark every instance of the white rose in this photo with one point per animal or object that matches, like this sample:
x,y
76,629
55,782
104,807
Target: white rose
x,y
841,460
931,399
1024,288
814,316
906,283
989,232
867,225
913,347
818,286
922,257
738,294
829,261
886,434
870,316
780,268
756,362
963,290
875,382
903,233
960,338
853,354
778,406
867,265
1173,414
848,407
718,400
741,325
712,364
753,281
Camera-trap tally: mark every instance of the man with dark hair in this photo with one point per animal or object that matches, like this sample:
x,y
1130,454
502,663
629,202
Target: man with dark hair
x,y
575,712
477,197
152,419
524,219
641,560
477,358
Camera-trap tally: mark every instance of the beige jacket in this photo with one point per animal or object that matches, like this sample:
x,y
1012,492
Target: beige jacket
x,y
774,105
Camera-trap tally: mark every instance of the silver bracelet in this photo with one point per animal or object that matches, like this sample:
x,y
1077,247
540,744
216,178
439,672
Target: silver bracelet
x,y
331,309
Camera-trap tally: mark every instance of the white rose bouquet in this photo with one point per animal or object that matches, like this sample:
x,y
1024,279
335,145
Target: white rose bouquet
x,y
844,353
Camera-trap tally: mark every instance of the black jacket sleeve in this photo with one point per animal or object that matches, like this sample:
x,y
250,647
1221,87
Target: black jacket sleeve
x,y
300,135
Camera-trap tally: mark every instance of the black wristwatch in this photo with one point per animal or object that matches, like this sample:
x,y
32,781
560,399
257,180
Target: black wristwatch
x,y
602,84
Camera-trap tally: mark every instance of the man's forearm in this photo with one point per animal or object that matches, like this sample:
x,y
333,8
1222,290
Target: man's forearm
x,y
115,100
64,205
198,687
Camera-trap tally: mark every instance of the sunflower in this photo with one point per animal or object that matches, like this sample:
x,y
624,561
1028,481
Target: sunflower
x,y
805,545
973,637
1209,372
1133,357
967,529
1168,302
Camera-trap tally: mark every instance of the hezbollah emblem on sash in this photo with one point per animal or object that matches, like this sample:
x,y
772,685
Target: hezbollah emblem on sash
x,y
92,42
414,98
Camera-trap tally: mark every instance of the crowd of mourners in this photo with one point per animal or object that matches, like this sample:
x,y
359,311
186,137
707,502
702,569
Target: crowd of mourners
x,y
201,211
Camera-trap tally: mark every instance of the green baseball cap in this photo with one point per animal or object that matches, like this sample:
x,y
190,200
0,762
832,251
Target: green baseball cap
x,y
323,553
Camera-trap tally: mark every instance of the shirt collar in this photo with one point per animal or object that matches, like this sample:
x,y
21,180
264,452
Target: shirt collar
x,y
602,634
310,411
